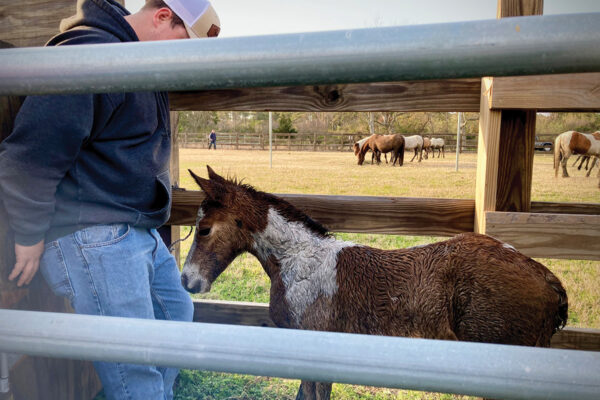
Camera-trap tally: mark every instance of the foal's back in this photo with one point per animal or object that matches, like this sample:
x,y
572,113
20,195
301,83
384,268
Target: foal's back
x,y
470,288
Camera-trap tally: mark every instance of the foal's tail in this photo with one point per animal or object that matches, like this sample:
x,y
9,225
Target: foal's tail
x,y
560,318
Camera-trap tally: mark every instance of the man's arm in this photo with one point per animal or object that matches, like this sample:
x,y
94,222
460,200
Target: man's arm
x,y
48,135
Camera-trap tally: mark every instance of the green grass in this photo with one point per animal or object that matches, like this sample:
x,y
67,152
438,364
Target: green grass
x,y
337,173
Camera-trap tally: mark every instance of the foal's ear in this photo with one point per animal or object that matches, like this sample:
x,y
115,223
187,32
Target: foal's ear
x,y
213,190
214,176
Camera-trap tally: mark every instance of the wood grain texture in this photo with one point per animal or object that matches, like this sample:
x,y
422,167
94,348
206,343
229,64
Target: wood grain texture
x,y
517,8
488,150
565,208
27,23
434,95
232,312
515,160
361,214
573,237
174,176
551,93
257,314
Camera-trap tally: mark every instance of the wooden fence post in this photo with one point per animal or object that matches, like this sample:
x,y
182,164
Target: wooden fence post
x,y
506,143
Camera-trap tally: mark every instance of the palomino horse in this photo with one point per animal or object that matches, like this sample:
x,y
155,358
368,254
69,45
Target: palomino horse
x,y
573,142
414,142
438,144
358,145
384,144
471,287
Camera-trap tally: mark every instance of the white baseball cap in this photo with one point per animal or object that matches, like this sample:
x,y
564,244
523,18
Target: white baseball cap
x,y
199,17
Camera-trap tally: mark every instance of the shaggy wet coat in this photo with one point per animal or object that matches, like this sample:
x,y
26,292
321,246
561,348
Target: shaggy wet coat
x,y
471,287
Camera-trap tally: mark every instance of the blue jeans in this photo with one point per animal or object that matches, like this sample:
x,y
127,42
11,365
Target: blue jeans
x,y
118,270
212,143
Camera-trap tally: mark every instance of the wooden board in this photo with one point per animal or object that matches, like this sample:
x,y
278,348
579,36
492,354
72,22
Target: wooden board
x,y
515,160
257,314
568,92
565,208
361,214
440,96
574,237
516,8
506,143
488,151
26,23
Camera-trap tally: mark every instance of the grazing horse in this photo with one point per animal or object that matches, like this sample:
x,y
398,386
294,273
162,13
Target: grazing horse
x,y
358,145
438,144
414,142
384,144
573,142
470,288
426,147
586,160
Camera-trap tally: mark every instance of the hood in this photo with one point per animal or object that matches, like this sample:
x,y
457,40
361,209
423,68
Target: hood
x,y
106,15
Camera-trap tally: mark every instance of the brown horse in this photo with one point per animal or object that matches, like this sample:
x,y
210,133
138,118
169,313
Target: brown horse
x,y
384,144
471,288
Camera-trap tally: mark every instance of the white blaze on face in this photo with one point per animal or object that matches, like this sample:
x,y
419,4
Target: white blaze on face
x,y
307,261
191,269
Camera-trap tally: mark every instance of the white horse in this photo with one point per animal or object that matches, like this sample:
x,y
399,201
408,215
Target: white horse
x,y
438,144
573,142
414,142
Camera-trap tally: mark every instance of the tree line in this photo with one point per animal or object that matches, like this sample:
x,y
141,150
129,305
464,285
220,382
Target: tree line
x,y
424,123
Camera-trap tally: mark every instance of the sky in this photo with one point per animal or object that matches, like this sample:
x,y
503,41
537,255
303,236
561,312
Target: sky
x,y
264,17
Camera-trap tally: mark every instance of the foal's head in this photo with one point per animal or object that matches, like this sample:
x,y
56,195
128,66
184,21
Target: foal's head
x,y
226,220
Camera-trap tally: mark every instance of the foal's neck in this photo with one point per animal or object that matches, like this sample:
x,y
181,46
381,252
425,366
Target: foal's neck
x,y
306,260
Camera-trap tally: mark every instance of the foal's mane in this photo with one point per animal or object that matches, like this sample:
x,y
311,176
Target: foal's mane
x,y
287,210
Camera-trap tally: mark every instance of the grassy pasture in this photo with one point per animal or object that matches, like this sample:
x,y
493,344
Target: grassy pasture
x,y
337,173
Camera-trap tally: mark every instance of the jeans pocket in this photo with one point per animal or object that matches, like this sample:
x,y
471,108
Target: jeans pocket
x,y
101,235
54,271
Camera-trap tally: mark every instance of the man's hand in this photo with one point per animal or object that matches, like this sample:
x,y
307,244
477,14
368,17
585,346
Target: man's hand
x,y
28,262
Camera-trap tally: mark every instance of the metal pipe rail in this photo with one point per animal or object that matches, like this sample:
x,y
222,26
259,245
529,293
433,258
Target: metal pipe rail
x,y
496,371
508,46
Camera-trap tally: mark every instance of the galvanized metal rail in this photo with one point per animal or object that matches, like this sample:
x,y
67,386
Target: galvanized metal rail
x,y
495,371
508,46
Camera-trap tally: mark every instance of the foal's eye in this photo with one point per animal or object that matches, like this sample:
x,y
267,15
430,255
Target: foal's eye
x,y
203,232
238,223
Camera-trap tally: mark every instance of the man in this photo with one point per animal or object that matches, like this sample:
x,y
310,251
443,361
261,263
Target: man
x,y
85,182
213,139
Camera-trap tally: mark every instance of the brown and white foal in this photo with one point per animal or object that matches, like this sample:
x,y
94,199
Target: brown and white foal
x,y
471,287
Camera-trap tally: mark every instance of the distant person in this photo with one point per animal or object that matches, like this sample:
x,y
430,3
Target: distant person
x,y
212,138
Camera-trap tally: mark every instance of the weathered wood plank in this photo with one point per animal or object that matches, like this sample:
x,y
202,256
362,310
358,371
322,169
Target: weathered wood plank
x,y
361,214
440,95
569,92
516,8
565,208
232,312
257,314
574,237
27,23
174,175
515,160
506,139
488,150
577,339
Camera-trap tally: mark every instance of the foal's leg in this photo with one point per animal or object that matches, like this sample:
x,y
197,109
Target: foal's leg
x,y
411,160
314,391
593,165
